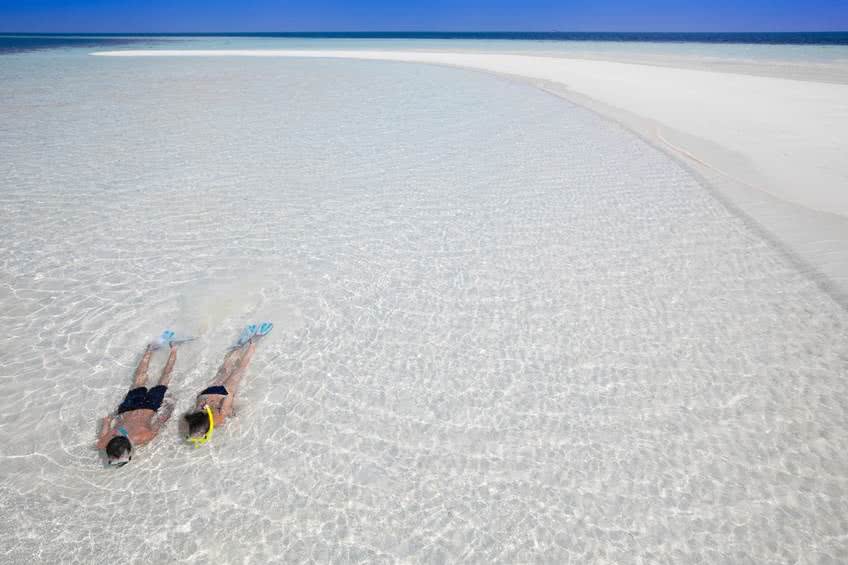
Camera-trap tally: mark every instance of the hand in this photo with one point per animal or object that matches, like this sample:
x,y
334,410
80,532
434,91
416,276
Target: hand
x,y
164,411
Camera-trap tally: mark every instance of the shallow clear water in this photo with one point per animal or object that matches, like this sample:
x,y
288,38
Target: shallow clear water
x,y
506,330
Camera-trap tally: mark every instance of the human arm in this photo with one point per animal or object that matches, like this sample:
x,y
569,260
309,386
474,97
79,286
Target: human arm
x,y
105,433
162,415
227,406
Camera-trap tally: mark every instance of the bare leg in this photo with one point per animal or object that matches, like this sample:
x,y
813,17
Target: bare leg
x,y
141,371
169,366
233,382
226,369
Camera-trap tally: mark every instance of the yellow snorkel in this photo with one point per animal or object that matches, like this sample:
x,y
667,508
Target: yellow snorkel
x,y
198,441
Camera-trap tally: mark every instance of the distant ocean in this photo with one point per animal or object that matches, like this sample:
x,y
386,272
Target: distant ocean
x,y
18,42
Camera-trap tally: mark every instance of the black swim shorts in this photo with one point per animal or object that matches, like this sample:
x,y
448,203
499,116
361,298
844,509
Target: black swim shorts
x,y
217,389
142,399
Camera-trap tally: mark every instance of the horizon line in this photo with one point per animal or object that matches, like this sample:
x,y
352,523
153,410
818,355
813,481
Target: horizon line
x,y
356,32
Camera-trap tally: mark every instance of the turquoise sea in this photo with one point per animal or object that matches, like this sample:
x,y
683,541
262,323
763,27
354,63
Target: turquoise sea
x,y
826,45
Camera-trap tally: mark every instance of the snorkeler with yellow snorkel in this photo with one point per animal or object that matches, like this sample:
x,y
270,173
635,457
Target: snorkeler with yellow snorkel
x,y
215,403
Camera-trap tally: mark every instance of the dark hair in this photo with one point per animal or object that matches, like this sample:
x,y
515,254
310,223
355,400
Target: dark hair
x,y
117,446
198,423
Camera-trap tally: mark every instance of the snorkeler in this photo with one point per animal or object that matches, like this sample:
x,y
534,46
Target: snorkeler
x,y
138,418
215,403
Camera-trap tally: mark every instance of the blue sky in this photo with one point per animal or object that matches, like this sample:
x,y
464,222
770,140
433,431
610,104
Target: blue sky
x,y
423,15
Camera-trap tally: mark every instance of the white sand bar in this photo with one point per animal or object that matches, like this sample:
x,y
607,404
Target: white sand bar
x,y
784,137
794,133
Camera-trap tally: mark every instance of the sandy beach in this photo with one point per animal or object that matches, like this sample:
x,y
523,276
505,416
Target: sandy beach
x,y
775,147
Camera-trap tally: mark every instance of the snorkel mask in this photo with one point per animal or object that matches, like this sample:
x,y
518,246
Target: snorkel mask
x,y
118,463
198,441
126,457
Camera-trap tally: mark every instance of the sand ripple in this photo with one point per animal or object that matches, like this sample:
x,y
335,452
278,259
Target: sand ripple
x,y
506,329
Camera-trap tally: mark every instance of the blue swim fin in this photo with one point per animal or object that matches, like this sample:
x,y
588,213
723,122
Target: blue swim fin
x,y
264,329
166,337
246,334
